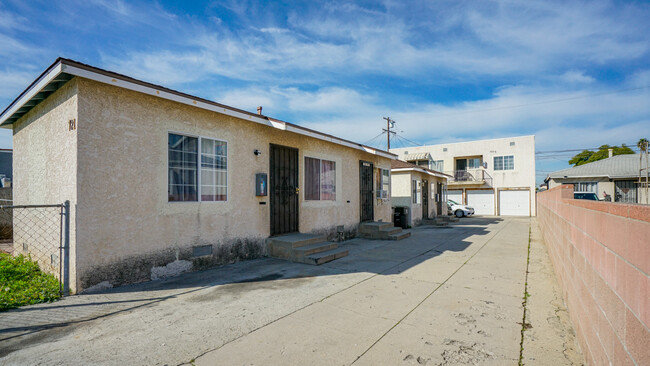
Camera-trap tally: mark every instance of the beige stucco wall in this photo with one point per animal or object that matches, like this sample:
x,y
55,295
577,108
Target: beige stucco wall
x,y
123,213
44,172
523,150
401,194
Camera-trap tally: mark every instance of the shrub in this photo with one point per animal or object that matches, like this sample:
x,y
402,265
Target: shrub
x,y
23,283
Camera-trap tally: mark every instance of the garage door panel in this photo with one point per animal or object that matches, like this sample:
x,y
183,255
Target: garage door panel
x,y
514,203
455,195
482,201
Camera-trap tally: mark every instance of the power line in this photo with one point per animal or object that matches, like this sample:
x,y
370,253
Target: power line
x,y
543,102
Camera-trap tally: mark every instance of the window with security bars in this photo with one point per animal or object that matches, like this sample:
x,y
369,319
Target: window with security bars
x,y
320,180
187,167
504,162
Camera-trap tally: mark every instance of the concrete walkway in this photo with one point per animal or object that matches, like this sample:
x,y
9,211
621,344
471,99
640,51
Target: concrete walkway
x,y
444,296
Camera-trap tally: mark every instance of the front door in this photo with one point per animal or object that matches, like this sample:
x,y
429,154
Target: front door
x,y
425,199
365,182
283,189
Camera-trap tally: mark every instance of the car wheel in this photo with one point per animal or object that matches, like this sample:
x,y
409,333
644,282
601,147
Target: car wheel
x,y
459,213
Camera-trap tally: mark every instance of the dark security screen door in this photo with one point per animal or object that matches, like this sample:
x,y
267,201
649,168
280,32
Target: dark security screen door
x,y
365,178
283,189
439,197
425,199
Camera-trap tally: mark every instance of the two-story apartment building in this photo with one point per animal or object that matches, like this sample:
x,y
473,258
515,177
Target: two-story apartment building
x,y
496,176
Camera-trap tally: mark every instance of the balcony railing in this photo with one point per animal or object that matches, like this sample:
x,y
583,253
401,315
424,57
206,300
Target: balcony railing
x,y
476,176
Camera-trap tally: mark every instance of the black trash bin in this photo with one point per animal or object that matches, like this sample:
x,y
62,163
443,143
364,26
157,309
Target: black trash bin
x,y
400,217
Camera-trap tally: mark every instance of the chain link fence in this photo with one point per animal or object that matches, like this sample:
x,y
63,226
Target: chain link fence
x,y
37,231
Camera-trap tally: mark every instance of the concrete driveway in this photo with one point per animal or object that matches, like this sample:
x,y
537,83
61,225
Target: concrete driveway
x,y
444,296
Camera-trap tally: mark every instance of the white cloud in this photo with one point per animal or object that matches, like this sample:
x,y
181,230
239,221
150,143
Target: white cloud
x,y
575,76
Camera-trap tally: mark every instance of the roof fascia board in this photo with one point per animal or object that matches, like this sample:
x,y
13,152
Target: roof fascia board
x,y
32,91
73,70
62,67
419,171
320,136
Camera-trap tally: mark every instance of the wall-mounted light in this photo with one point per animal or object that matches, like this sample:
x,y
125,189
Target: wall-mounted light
x,y
257,152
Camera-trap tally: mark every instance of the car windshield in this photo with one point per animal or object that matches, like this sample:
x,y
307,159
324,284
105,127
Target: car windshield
x,y
453,202
585,196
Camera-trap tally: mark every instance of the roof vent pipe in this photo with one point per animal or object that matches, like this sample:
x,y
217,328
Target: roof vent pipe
x,y
259,111
611,151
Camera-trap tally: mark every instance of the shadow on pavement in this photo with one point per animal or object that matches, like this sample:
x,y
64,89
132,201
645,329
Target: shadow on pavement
x,y
21,326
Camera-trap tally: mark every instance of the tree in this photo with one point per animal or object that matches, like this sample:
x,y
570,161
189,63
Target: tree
x,y
588,156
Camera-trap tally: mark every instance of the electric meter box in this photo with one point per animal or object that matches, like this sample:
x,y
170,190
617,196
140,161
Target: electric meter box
x,y
261,184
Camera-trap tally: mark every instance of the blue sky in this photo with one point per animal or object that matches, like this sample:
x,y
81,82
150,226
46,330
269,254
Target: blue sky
x,y
574,73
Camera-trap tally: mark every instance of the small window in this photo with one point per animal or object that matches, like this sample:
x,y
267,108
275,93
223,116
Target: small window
x,y
474,163
320,180
512,143
416,191
438,165
383,183
444,149
504,162
406,152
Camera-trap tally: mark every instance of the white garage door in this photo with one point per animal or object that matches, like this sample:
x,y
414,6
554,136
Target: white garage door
x,y
514,203
482,201
456,196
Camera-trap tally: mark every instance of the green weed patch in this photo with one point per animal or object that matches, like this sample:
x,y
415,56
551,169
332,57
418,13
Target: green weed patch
x,y
23,283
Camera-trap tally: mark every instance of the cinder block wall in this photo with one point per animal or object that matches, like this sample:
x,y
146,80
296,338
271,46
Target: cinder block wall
x,y
601,255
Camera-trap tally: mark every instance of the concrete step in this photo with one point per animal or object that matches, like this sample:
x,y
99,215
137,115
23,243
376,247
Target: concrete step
x,y
400,236
304,248
390,230
296,240
374,226
324,257
308,250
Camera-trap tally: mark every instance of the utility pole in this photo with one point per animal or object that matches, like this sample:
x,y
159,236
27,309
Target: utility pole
x,y
389,123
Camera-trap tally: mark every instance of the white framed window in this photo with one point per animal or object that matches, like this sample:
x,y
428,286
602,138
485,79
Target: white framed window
x,y
474,163
197,168
438,165
214,170
416,191
320,180
504,162
585,187
383,183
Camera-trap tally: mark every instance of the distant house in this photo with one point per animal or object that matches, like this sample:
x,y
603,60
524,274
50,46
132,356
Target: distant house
x,y
156,176
495,177
6,170
421,190
618,176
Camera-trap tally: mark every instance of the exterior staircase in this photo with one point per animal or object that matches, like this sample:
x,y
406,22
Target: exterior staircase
x,y
305,248
382,231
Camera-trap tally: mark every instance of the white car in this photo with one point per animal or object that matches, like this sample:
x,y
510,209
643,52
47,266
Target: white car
x,y
459,210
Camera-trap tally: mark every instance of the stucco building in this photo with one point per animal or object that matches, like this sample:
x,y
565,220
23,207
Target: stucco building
x,y
156,176
616,176
495,177
419,189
